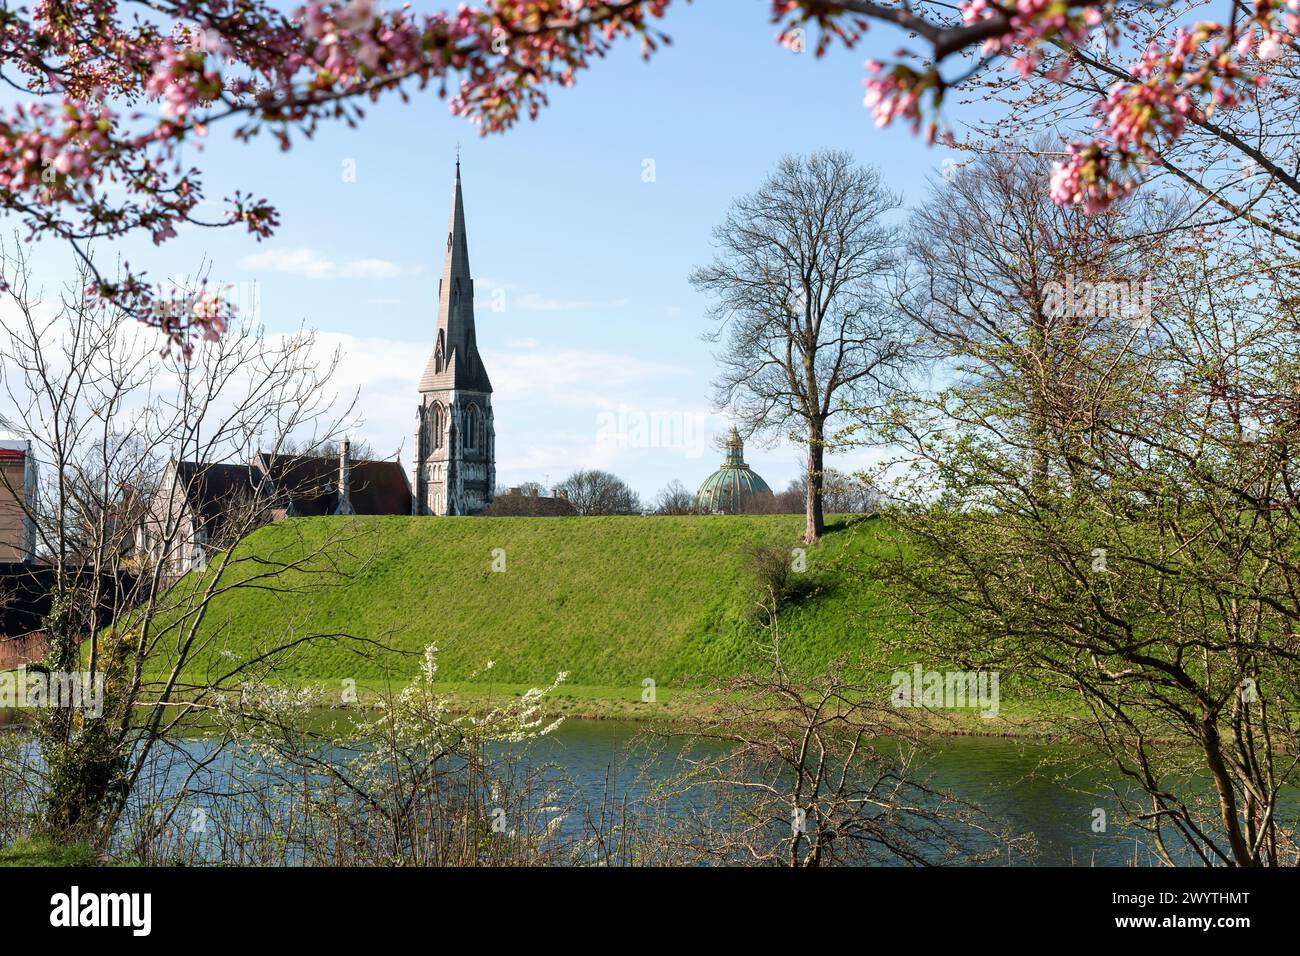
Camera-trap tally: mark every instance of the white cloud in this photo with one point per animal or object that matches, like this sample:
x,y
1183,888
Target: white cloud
x,y
572,377
370,269
313,265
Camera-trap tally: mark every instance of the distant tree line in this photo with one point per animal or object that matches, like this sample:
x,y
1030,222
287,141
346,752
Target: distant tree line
x,y
589,492
586,492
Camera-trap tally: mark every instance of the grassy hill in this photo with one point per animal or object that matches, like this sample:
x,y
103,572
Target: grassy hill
x,y
609,600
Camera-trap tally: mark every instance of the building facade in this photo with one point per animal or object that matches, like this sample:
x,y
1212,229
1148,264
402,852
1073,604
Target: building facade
x,y
455,441
201,509
17,498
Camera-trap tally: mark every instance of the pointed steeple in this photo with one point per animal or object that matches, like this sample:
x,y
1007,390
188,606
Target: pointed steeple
x,y
456,260
455,362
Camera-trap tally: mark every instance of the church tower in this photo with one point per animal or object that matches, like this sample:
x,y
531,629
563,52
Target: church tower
x,y
455,442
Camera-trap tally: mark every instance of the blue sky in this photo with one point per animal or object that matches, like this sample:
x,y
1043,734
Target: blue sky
x,y
585,260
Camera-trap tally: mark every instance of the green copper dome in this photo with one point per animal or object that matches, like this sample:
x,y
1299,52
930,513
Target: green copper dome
x,y
727,488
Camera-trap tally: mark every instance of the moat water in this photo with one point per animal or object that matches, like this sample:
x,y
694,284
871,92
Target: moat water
x,y
1049,790
1053,791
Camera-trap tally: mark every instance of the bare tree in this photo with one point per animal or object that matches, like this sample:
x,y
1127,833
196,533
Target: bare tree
x,y
847,494
106,418
674,499
791,501
360,450
993,269
595,492
799,303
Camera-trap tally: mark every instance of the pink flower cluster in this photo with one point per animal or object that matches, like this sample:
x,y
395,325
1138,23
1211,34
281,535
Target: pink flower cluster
x,y
181,79
897,91
46,154
1028,22
1193,73
1189,75
178,312
1084,179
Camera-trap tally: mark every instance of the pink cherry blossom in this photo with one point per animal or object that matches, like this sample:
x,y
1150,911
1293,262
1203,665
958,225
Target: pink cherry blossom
x,y
113,96
1186,75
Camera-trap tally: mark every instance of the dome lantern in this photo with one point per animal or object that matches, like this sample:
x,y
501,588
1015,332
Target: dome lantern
x,y
727,489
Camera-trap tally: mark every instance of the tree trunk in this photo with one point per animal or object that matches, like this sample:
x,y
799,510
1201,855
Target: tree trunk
x,y
1243,854
1039,409
82,765
816,523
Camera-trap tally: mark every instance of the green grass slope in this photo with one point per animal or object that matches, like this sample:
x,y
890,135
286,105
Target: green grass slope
x,y
611,601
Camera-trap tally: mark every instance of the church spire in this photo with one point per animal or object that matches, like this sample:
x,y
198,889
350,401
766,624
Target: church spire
x,y
455,362
456,260
455,439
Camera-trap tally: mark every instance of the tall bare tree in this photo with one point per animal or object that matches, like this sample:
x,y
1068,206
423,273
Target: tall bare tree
x,y
799,302
1013,293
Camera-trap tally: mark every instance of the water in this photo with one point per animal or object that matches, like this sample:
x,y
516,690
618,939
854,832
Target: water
x,y
1049,790
1053,791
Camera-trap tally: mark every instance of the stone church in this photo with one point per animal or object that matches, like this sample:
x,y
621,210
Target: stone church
x,y
455,442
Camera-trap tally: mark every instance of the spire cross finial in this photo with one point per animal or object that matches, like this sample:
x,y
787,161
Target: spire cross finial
x,y
458,156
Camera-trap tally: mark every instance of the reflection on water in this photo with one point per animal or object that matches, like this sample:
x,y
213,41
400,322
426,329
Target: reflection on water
x,y
1052,791
1048,790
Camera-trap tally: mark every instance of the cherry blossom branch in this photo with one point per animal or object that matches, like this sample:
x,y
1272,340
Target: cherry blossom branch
x,y
88,71
1179,79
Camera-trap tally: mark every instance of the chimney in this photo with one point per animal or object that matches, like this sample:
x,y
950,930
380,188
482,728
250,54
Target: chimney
x,y
345,479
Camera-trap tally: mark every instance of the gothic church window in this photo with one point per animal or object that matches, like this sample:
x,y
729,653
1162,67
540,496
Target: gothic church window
x,y
437,426
473,422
